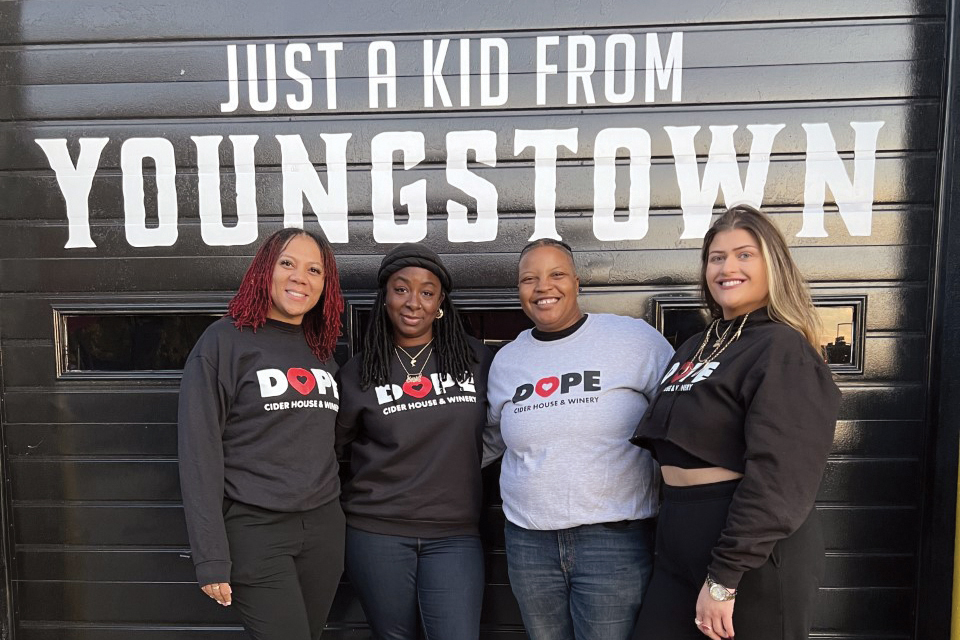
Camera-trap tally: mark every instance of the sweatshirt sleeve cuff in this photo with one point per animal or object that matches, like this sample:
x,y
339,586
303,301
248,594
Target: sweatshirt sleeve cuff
x,y
213,572
729,578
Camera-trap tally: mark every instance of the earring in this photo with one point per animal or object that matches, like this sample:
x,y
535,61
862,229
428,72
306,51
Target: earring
x,y
439,314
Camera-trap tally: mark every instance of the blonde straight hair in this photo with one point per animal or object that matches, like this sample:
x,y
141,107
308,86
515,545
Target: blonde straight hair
x,y
789,299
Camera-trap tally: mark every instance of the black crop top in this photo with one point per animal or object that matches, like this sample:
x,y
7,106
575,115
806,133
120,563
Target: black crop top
x,y
670,455
766,407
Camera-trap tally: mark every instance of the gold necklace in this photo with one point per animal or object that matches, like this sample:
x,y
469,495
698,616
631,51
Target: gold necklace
x,y
413,377
716,330
719,346
413,358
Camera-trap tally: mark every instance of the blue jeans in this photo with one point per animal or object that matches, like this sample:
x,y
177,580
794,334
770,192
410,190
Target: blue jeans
x,y
396,578
583,583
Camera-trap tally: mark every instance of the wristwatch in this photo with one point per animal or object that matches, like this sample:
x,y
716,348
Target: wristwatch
x,y
719,592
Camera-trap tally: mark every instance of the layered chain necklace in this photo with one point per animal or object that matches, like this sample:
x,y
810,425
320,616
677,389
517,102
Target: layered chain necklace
x,y
413,377
413,358
722,341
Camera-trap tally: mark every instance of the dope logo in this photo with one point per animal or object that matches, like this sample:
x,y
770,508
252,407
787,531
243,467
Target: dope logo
x,y
274,382
439,385
418,389
545,387
680,373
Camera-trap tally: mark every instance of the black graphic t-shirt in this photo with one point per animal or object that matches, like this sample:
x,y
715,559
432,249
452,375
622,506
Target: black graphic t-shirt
x,y
414,450
766,407
256,425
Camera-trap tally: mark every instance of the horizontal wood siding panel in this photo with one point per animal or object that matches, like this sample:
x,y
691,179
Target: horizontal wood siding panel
x,y
861,482
145,565
866,529
658,266
900,179
864,81
21,153
92,439
35,23
188,62
25,406
891,225
891,307
889,358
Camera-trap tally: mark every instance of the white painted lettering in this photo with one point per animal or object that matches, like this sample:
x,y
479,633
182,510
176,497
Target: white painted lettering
x,y
301,179
253,85
722,172
413,196
664,71
487,47
545,143
577,73
459,228
75,182
386,78
609,141
132,154
825,168
290,63
433,73
212,229
544,69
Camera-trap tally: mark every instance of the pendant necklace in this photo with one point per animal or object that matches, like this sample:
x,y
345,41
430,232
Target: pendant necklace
x,y
413,358
716,330
719,346
413,377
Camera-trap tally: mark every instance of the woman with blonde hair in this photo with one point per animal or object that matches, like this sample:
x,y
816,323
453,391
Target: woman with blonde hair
x,y
741,426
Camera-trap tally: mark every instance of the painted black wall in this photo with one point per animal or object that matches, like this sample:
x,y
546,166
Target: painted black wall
x,y
97,538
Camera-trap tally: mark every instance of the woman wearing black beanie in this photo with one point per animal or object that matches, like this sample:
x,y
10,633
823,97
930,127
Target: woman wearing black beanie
x,y
412,409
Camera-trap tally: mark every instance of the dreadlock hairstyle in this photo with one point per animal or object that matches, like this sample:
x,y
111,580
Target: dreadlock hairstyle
x,y
789,299
455,357
252,302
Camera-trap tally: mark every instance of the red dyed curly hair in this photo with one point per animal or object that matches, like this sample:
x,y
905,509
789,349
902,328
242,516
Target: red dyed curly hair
x,y
250,305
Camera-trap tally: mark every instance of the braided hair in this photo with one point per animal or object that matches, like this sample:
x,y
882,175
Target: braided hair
x,y
252,302
455,357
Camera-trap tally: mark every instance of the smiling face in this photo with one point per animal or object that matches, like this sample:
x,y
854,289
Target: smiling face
x,y
413,295
548,288
297,280
736,273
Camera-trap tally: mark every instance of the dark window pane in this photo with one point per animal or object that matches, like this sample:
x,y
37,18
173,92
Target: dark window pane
x,y
839,338
836,338
131,342
680,323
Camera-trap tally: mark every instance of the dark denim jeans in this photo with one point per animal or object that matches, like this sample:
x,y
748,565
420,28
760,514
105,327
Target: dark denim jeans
x,y
583,583
397,577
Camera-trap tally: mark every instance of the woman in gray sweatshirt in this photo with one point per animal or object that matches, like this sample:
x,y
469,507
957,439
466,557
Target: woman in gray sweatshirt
x,y
578,497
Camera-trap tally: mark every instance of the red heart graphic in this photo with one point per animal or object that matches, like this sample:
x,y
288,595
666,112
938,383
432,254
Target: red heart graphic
x,y
418,389
301,380
684,371
547,386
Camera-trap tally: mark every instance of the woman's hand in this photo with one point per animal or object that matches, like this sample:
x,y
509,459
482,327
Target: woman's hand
x,y
714,619
219,591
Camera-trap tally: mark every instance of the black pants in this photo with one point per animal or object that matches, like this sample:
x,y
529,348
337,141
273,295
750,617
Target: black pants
x,y
286,567
774,602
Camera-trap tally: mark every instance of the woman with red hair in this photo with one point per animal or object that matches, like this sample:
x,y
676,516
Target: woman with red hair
x,y
258,407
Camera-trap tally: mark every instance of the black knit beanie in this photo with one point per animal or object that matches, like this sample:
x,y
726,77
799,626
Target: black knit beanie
x,y
413,254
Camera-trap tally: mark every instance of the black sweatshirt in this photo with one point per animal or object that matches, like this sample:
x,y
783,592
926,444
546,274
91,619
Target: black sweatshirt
x,y
256,425
765,407
414,450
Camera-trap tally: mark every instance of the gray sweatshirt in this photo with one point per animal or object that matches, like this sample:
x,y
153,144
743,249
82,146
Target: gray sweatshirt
x,y
566,410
